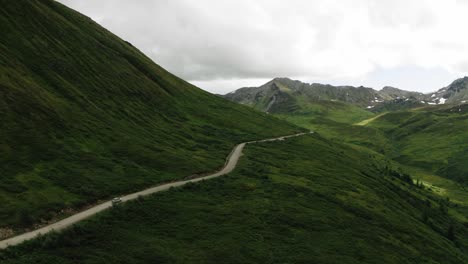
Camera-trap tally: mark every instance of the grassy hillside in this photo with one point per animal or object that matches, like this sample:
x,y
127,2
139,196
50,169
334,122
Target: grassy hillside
x,y
313,112
85,116
336,120
325,203
430,143
433,139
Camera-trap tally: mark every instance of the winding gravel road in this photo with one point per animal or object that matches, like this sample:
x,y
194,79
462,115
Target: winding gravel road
x,y
230,165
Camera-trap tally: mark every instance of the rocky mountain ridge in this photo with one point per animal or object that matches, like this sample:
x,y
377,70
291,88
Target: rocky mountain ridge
x,y
286,95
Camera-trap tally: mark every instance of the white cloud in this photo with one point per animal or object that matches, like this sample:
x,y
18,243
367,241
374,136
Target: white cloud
x,y
221,42
227,85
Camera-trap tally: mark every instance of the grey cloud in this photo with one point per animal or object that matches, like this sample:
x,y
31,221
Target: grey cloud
x,y
463,66
245,39
400,12
197,45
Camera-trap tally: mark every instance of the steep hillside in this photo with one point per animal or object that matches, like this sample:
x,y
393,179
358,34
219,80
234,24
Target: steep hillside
x,y
85,115
325,203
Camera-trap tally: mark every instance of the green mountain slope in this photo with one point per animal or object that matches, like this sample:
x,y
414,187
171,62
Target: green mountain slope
x,y
85,115
325,203
301,103
429,143
326,111
435,139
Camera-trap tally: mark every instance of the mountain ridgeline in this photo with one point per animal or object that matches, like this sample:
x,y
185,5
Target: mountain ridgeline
x,y
283,95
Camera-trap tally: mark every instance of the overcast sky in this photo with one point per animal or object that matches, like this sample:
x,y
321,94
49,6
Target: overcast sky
x,y
221,45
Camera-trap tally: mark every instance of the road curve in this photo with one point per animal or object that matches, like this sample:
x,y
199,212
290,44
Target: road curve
x,y
231,163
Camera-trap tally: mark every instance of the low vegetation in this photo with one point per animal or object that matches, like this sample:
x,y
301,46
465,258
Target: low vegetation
x,y
325,203
432,138
429,142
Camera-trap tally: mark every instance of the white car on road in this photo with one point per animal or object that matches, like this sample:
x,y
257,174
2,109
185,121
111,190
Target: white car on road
x,y
116,200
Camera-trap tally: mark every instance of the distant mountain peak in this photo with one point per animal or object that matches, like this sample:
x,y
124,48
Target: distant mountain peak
x,y
461,83
279,79
387,88
455,93
286,91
